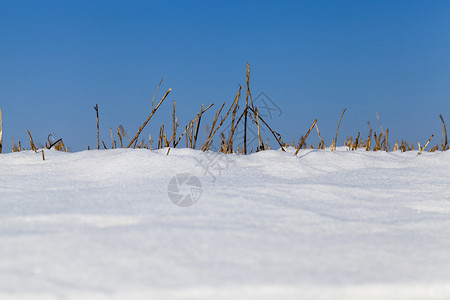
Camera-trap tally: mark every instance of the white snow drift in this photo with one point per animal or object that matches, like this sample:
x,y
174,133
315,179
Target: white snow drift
x,y
322,225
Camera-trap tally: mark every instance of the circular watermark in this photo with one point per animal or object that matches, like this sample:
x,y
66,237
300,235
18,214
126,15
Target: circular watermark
x,y
184,189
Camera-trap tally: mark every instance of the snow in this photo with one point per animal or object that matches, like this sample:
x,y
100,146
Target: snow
x,y
322,225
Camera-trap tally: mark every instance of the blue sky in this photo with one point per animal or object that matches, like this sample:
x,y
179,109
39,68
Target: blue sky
x,y
312,58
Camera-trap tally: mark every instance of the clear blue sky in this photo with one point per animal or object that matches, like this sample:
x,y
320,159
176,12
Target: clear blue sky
x,y
312,58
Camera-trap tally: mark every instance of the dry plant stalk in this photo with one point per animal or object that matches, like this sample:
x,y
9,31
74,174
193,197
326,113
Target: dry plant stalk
x,y
223,144
386,140
233,126
375,148
377,141
409,147
337,131
320,137
277,138
112,139
148,119
356,142
150,141
395,146
167,141
444,131
304,138
160,140
62,145
435,148
421,149
175,125
191,134
31,142
50,144
98,129
157,89
368,140
349,142
204,147
43,157
197,126
187,139
185,133
261,145
246,106
191,123
216,117
120,137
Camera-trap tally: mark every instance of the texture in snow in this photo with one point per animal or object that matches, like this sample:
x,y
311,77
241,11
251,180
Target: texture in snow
x,y
322,225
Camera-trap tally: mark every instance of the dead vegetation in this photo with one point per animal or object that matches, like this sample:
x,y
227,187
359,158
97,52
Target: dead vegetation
x,y
229,140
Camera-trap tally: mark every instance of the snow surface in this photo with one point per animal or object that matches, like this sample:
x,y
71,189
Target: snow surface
x,y
322,225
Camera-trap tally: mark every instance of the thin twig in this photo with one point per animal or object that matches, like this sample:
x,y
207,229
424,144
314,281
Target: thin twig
x,y
369,139
246,106
261,145
31,142
160,140
386,141
221,122
421,149
153,100
98,129
233,128
112,139
120,137
318,132
174,124
444,130
216,117
191,133
197,126
148,119
190,124
357,142
337,131
306,135
55,143
277,138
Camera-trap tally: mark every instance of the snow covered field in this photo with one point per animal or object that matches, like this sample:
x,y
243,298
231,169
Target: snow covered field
x,y
322,225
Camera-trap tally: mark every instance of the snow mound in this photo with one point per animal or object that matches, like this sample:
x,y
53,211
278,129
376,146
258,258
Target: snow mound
x,y
140,224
